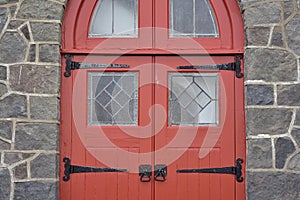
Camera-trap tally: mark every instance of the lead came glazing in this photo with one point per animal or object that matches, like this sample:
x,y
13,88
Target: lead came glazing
x,y
193,99
113,98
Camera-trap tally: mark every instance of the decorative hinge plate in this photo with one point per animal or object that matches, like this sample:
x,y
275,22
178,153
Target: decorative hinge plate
x,y
71,169
71,65
236,66
237,170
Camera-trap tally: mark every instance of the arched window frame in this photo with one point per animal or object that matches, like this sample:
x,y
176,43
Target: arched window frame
x,y
79,15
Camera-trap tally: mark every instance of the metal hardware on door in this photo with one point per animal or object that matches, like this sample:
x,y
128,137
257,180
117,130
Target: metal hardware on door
x,y
71,169
237,170
160,172
236,66
71,65
145,173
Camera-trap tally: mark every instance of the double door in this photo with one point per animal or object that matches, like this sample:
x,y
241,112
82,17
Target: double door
x,y
149,128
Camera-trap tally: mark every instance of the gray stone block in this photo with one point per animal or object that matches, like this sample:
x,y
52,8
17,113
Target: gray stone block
x,y
41,31
288,8
268,121
289,95
294,163
4,184
284,147
260,95
296,135
40,9
13,106
277,39
36,190
259,154
2,2
11,158
12,48
49,53
44,166
36,136
297,120
3,73
14,24
266,13
44,108
32,54
3,89
270,65
273,186
258,36
20,171
4,145
6,129
292,33
3,18
34,79
12,10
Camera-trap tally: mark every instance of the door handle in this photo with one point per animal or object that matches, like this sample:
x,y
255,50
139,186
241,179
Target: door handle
x,y
160,172
145,173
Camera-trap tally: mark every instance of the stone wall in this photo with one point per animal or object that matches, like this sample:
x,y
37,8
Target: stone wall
x,y
273,98
30,33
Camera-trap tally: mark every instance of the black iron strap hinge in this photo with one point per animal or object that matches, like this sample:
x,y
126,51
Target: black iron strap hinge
x,y
71,65
236,66
237,170
71,169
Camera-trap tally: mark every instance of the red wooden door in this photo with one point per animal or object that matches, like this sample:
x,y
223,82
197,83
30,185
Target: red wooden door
x,y
184,144
122,143
158,137
132,106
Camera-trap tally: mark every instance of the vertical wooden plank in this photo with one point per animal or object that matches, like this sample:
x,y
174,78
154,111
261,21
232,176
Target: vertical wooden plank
x,y
78,157
215,161
92,179
240,132
205,179
65,131
193,179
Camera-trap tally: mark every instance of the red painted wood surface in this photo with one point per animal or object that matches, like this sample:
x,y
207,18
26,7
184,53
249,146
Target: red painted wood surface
x,y
150,51
153,33
218,140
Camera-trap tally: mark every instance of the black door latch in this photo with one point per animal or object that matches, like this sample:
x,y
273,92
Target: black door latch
x,y
160,172
145,173
237,170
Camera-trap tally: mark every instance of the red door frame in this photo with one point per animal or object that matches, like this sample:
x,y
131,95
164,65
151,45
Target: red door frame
x,y
75,41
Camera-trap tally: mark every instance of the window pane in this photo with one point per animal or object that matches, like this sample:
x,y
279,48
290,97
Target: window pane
x,y
193,99
115,18
183,21
113,98
192,18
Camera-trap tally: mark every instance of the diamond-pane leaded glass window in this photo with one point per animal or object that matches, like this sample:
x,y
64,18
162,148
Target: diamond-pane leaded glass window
x,y
113,98
193,99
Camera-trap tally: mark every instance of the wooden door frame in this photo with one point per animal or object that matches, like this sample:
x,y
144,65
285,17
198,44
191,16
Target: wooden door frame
x,y
75,24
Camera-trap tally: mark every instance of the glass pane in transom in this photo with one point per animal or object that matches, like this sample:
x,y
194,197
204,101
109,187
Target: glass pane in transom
x,y
192,19
115,19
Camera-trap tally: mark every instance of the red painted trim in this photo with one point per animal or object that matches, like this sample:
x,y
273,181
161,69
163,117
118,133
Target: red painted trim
x,y
76,27
65,130
240,132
